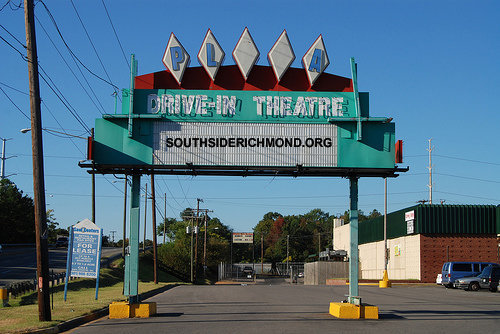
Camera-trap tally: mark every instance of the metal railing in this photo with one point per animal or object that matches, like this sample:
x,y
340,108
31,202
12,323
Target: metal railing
x,y
21,288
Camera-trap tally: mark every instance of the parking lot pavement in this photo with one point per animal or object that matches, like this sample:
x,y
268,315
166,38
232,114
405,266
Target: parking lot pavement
x,y
304,309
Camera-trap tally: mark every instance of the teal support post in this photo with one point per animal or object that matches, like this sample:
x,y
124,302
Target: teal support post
x,y
132,265
354,73
353,247
133,74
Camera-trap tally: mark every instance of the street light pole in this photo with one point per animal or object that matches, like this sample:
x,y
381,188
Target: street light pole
x,y
42,254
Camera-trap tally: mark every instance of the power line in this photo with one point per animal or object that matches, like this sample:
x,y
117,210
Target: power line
x,y
63,100
469,160
13,47
72,72
14,89
116,35
311,197
11,35
91,43
468,178
57,175
49,156
71,51
12,6
468,195
63,130
15,105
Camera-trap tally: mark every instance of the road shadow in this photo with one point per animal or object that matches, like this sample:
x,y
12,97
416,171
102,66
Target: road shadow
x,y
439,314
169,315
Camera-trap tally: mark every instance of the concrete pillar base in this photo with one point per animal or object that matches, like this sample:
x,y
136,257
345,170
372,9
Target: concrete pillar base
x,y
123,310
350,311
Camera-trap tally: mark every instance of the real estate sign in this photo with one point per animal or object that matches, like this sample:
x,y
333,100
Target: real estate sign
x,y
84,252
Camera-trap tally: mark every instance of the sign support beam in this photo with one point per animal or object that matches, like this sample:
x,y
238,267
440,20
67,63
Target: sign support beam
x,y
132,265
353,247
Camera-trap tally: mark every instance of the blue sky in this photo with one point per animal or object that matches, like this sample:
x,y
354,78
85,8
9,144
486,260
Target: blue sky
x,y
431,65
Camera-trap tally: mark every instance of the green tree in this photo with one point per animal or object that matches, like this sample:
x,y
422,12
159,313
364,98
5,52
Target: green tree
x,y
361,215
52,228
306,233
176,252
17,221
168,224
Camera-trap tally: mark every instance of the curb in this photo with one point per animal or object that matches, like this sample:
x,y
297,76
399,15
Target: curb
x,y
76,322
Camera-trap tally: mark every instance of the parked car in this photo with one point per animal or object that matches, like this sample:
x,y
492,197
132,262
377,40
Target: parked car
x,y
62,242
248,272
493,279
452,271
439,279
487,279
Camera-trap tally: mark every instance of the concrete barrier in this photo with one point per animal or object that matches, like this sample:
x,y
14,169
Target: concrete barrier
x,y
317,273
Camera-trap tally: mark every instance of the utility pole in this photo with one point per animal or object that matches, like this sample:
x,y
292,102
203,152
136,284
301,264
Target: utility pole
x,y
430,171
319,244
191,248
145,209
112,236
42,254
165,220
2,172
124,216
287,252
262,254
205,249
198,200
153,208
192,217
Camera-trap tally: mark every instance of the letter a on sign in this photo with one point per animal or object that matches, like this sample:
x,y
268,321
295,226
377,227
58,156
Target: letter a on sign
x,y
175,58
315,61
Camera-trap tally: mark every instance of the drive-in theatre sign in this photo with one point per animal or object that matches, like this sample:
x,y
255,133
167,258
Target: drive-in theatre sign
x,y
243,119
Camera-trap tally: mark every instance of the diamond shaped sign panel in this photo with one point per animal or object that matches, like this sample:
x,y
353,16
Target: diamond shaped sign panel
x,y
315,60
281,55
175,58
211,55
245,53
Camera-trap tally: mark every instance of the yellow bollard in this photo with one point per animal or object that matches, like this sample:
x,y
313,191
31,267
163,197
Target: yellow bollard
x,y
384,283
4,297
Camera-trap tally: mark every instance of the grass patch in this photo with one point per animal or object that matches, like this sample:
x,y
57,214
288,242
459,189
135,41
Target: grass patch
x,y
22,316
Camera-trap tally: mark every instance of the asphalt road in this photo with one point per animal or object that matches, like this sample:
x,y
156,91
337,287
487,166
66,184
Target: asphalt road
x,y
19,264
304,309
